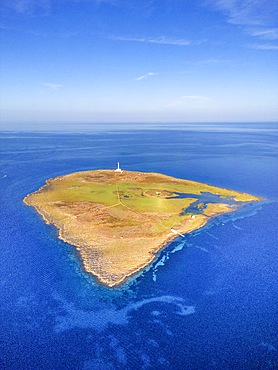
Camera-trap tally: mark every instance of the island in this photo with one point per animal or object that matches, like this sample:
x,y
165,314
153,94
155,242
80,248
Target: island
x,y
119,221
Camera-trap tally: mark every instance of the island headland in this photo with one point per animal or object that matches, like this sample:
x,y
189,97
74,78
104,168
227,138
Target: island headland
x,y
119,220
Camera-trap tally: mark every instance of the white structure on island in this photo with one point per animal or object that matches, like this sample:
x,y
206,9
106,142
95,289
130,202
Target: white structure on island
x,y
118,169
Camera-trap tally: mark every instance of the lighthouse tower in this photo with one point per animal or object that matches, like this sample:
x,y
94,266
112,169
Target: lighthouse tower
x,y
118,169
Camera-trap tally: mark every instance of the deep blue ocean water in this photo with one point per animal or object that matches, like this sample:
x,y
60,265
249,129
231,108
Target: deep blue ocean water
x,y
208,302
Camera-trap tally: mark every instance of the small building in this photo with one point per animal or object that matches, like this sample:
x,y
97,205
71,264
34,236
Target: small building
x,y
118,169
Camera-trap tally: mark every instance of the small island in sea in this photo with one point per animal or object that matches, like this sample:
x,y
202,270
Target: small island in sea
x,y
120,220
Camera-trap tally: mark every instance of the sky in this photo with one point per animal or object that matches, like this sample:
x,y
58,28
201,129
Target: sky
x,y
139,61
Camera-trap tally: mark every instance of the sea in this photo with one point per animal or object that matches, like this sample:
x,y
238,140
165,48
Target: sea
x,y
208,301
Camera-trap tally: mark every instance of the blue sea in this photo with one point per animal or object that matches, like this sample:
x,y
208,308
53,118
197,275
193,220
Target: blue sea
x,y
209,301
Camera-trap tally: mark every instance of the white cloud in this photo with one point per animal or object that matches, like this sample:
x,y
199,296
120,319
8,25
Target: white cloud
x,y
52,86
145,76
256,16
267,34
169,41
264,47
28,6
194,97
157,40
212,61
189,100
248,12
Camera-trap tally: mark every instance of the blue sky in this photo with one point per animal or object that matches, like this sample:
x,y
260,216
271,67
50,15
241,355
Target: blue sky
x,y
139,61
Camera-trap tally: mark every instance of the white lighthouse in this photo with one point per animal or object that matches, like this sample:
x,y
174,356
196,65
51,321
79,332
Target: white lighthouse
x,y
118,169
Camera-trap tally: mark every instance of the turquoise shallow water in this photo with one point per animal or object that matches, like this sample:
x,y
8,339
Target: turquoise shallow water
x,y
209,301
